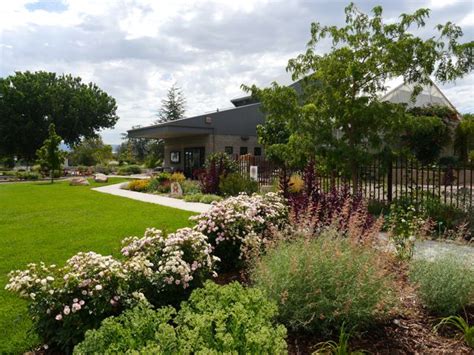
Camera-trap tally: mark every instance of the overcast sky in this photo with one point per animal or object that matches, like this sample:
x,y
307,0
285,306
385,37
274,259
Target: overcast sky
x,y
136,49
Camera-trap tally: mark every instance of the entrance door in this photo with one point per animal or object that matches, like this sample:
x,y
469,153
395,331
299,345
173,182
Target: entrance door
x,y
193,159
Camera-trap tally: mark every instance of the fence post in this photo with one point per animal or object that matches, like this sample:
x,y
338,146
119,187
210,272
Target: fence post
x,y
389,180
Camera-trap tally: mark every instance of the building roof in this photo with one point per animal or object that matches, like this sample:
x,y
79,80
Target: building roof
x,y
242,120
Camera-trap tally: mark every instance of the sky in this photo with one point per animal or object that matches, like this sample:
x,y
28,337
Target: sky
x,y
135,50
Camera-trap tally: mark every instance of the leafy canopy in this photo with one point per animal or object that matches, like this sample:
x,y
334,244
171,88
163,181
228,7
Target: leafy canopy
x,y
26,98
335,112
91,151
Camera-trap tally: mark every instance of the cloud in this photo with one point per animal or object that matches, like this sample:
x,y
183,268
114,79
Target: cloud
x,y
136,49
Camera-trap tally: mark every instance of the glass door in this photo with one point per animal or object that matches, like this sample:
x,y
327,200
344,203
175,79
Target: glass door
x,y
193,159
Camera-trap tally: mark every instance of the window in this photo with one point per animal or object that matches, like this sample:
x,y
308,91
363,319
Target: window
x,y
229,150
257,151
243,150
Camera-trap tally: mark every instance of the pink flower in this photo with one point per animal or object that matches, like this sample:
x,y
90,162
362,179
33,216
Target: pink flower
x,y
59,317
66,310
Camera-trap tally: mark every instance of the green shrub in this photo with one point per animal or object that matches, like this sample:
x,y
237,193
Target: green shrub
x,y
193,197
190,187
129,169
323,283
215,319
445,285
209,198
26,175
235,183
102,169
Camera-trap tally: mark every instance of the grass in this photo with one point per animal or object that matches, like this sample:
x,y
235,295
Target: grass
x,y
44,222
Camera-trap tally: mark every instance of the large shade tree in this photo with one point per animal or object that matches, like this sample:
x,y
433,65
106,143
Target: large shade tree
x,y
338,115
31,101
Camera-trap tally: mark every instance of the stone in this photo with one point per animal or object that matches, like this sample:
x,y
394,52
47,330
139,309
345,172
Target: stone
x,y
100,178
79,181
176,189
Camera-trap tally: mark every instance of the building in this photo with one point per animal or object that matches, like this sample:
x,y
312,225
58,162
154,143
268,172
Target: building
x,y
188,141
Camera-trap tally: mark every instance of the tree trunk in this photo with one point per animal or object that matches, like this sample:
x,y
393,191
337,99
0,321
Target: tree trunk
x,y
52,175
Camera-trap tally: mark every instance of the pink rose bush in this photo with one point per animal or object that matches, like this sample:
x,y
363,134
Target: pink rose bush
x,y
241,225
167,268
65,302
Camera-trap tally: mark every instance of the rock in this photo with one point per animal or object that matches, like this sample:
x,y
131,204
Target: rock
x,y
100,178
79,181
176,189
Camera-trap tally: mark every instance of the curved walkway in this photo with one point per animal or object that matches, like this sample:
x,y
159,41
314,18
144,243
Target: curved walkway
x,y
156,199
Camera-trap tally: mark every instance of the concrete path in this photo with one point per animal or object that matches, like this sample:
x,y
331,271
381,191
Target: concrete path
x,y
430,249
156,199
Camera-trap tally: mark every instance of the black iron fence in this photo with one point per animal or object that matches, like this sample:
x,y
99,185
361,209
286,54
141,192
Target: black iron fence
x,y
386,181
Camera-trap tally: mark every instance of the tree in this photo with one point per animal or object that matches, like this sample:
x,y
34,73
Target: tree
x,y
91,151
173,107
141,150
464,137
338,115
50,156
30,102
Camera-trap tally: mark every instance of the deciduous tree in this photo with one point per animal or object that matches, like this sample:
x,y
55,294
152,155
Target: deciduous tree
x,y
50,156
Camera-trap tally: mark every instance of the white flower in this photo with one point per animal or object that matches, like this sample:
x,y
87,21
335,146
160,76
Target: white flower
x,y
98,287
66,310
59,317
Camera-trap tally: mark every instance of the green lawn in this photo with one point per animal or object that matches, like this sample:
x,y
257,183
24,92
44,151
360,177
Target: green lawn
x,y
44,222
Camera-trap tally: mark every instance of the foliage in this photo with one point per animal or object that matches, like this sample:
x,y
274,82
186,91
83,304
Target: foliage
x,y
445,285
405,226
461,324
30,102
129,170
339,348
141,150
160,183
334,111
426,136
464,137
218,165
296,184
315,210
131,331
26,175
322,283
91,151
215,319
138,185
236,183
50,156
173,107
66,302
166,268
203,198
102,169
238,226
190,187
177,177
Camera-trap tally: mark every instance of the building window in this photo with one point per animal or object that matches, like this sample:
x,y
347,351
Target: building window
x,y
244,150
229,150
175,157
257,151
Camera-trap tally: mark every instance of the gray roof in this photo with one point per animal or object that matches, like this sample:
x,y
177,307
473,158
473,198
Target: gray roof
x,y
243,119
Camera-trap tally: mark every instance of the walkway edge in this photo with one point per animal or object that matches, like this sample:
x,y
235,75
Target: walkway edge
x,y
116,190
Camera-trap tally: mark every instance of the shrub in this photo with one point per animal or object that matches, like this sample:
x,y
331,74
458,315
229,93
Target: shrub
x,y
209,198
216,319
296,184
131,331
235,183
160,183
177,177
445,285
193,197
129,169
166,269
321,284
26,175
218,165
240,225
190,187
138,185
102,169
65,302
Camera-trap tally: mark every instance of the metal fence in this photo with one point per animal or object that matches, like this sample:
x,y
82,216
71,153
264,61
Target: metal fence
x,y
386,181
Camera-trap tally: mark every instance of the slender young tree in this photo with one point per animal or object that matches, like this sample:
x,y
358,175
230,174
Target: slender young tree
x,y
338,115
50,156
173,106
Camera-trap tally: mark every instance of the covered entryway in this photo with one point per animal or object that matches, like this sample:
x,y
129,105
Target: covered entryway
x,y
193,160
